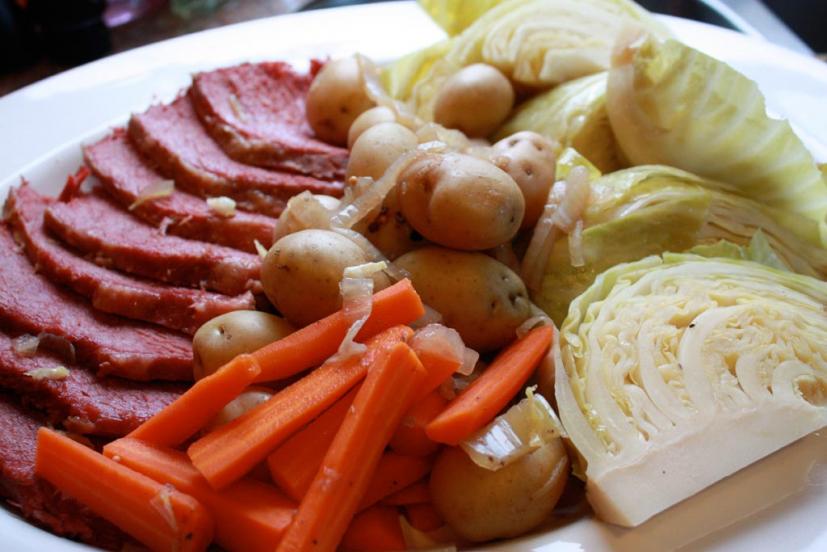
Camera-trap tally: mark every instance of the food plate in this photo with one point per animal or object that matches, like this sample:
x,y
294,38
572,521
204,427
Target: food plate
x,y
777,503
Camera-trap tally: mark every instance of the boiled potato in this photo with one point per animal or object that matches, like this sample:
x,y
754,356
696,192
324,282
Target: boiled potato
x,y
302,271
460,201
478,296
480,504
476,100
371,117
377,148
224,337
530,159
336,97
389,231
246,401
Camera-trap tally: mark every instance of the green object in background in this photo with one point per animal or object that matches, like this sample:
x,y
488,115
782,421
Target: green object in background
x,y
189,8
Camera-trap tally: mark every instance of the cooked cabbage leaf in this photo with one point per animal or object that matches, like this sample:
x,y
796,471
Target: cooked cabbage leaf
x,y
663,360
673,105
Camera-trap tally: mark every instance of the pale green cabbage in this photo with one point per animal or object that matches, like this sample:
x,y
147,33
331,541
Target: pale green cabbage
x,y
670,104
681,365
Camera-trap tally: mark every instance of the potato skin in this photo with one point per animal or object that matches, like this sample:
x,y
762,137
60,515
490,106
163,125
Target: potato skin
x,y
478,296
231,334
371,117
377,148
389,231
476,100
336,97
460,201
301,273
480,505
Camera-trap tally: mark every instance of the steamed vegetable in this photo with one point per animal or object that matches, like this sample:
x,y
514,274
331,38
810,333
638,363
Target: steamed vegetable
x,y
475,100
336,97
673,105
683,364
377,148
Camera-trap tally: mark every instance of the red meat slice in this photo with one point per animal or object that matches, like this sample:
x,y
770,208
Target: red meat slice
x,y
256,112
36,500
174,307
125,175
30,303
112,237
174,139
81,402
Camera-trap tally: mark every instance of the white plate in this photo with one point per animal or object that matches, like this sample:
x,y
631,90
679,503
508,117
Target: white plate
x,y
779,503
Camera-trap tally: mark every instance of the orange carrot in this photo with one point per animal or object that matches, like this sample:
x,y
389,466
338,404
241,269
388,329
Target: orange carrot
x,y
249,515
230,451
489,393
439,368
410,437
158,516
417,493
376,529
313,344
294,464
393,473
351,460
424,517
190,412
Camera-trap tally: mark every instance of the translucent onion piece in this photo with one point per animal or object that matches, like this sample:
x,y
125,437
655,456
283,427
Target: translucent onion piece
x,y
578,259
162,503
470,358
431,316
222,205
357,304
303,212
26,345
374,90
246,401
55,373
537,320
260,249
161,189
430,134
440,340
394,272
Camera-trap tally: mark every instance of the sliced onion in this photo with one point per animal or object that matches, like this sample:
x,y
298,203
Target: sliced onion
x,y
303,212
222,205
26,345
540,319
393,271
162,188
260,249
162,503
357,304
54,373
374,90
470,358
576,245
431,316
438,340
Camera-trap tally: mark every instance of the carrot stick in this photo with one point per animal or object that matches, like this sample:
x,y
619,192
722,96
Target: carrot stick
x,y
489,393
424,517
158,516
439,368
417,493
376,529
410,437
393,473
230,451
313,344
294,464
349,464
193,410
249,515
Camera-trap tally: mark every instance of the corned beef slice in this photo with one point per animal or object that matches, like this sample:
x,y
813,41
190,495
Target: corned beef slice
x,y
124,174
31,304
113,237
256,112
174,139
174,307
81,402
35,499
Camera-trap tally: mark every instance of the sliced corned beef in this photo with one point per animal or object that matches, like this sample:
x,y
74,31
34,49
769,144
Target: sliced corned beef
x,y
112,237
174,139
81,402
256,112
32,304
35,499
174,307
125,175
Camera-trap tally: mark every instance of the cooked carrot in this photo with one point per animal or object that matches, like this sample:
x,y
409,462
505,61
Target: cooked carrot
x,y
439,368
376,529
230,451
394,472
313,344
249,515
193,410
351,460
424,517
294,464
417,493
489,393
158,516
410,437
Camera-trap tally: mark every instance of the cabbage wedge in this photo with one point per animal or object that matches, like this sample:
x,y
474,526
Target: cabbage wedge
x,y
680,365
670,104
649,210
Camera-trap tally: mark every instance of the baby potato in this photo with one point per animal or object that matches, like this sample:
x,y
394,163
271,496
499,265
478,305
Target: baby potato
x,y
224,337
530,159
336,97
480,504
301,273
460,201
377,148
389,231
371,117
478,296
476,100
